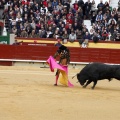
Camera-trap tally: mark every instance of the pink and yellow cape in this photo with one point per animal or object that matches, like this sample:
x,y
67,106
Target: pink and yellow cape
x,y
63,78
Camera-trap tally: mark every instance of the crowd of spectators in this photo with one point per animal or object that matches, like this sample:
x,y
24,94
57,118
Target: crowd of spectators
x,y
60,19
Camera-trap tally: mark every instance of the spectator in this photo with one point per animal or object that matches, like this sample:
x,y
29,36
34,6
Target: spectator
x,y
17,43
49,33
87,9
60,15
69,29
75,5
100,6
56,34
99,17
105,35
87,36
42,33
95,37
72,37
93,18
75,26
50,8
24,33
93,7
106,7
54,4
79,36
65,36
81,4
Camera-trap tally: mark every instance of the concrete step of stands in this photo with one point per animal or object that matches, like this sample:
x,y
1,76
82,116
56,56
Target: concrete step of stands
x,y
88,24
114,3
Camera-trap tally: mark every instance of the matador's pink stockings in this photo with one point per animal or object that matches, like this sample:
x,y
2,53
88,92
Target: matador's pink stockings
x,y
56,81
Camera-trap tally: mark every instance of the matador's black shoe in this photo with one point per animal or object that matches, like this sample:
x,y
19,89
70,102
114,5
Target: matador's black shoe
x,y
55,84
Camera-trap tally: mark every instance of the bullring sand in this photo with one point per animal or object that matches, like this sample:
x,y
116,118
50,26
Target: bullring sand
x,y
27,93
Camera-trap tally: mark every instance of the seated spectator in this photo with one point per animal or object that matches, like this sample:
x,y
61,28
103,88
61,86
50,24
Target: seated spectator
x,y
113,36
69,29
69,14
95,37
14,30
99,17
56,34
84,29
1,5
65,35
112,20
58,43
33,24
87,8
50,8
93,7
84,44
18,18
75,26
33,34
87,36
72,36
117,36
54,4
93,18
50,21
49,32
105,35
100,6
75,5
24,33
42,33
106,7
99,34
17,43
70,20
79,36
81,4
79,14
60,6
91,32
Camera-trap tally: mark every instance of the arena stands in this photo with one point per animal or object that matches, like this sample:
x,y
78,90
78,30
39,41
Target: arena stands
x,y
53,18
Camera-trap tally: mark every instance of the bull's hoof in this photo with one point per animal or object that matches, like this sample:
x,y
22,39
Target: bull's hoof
x,y
55,84
84,86
92,88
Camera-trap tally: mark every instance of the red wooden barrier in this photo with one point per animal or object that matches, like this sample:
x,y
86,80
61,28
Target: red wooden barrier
x,y
6,63
26,52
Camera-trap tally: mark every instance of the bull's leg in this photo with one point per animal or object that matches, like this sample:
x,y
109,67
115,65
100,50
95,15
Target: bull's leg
x,y
110,79
88,82
94,84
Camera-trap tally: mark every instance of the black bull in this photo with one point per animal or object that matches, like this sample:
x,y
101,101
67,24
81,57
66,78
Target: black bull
x,y
98,71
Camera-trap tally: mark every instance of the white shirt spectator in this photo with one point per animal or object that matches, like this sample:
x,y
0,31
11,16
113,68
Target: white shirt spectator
x,y
72,37
18,19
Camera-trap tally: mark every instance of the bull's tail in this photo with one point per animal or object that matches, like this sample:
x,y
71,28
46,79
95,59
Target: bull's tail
x,y
74,76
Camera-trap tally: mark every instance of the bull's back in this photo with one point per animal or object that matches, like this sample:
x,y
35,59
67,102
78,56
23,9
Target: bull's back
x,y
98,71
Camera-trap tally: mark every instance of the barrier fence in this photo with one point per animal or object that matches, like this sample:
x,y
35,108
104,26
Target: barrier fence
x,y
41,53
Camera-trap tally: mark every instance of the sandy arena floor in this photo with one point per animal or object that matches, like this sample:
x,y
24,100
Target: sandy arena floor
x,y
27,93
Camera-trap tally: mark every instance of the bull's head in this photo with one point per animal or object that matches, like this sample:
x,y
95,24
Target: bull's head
x,y
81,79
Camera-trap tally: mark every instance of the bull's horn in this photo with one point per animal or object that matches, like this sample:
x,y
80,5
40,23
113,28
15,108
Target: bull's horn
x,y
74,76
